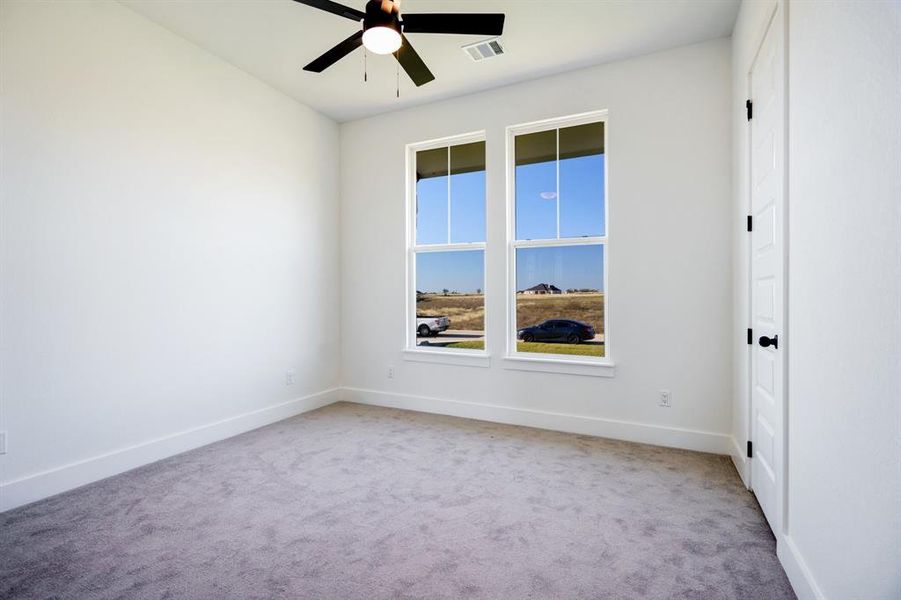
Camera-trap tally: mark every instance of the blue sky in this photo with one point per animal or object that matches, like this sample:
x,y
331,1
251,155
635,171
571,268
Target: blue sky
x,y
567,267
463,271
467,208
581,200
457,271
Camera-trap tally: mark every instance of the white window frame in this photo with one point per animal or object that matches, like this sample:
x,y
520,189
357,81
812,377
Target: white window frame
x,y
603,367
476,358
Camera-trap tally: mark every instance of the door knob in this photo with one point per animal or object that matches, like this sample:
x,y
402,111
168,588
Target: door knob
x,y
767,342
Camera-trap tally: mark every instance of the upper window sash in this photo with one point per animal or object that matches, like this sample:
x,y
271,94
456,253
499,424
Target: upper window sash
x,y
447,180
558,180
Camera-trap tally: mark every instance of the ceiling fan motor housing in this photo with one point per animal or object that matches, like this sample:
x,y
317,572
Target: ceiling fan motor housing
x,y
376,17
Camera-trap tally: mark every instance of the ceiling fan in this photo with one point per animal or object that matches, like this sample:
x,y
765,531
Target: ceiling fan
x,y
384,28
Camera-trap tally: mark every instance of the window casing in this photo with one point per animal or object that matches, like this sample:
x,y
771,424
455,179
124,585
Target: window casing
x,y
557,241
446,233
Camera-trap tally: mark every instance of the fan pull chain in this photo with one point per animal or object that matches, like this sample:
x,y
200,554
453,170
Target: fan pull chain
x,y
397,77
365,74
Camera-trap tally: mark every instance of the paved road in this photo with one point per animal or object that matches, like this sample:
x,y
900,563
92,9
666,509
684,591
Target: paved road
x,y
449,337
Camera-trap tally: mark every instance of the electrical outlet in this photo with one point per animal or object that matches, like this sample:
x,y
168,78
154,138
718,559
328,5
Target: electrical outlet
x,y
2,442
666,398
289,377
390,372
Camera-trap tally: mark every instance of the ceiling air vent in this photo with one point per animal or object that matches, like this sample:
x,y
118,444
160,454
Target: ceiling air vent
x,y
484,49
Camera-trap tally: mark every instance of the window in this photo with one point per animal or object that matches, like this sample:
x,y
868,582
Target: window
x,y
446,246
557,240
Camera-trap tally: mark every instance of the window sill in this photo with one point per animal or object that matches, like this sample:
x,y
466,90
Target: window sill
x,y
448,357
560,365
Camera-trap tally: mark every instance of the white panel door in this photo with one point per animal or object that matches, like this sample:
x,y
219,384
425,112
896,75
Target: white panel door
x,y
767,252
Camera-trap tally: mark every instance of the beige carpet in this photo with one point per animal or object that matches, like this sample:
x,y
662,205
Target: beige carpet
x,y
354,502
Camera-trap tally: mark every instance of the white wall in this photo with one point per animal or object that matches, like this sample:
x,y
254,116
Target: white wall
x,y
844,299
169,246
670,255
844,332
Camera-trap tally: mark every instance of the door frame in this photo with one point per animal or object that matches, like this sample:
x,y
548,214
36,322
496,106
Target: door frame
x,y
777,15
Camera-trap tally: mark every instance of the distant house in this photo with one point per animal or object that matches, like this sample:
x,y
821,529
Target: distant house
x,y
543,288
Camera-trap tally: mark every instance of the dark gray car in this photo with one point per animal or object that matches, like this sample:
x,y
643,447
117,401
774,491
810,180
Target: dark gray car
x,y
557,330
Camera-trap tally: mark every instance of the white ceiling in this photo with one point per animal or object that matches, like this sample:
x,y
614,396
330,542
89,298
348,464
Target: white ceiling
x,y
273,39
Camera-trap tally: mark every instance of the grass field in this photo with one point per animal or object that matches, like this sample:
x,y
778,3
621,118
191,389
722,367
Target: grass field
x,y
534,309
569,349
467,311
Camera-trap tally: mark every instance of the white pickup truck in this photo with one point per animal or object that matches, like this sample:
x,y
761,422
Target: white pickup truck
x,y
431,325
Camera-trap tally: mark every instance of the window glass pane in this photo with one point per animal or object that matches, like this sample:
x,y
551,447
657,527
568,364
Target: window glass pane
x,y
582,181
431,196
467,186
563,285
536,185
450,304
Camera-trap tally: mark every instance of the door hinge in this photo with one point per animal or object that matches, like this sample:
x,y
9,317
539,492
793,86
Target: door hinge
x,y
750,224
750,449
750,336
749,106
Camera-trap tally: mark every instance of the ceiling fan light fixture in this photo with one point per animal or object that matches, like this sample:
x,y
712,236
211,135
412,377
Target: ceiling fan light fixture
x,y
384,33
381,40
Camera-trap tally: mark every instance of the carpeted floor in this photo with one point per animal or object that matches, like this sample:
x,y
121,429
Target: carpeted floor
x,y
356,502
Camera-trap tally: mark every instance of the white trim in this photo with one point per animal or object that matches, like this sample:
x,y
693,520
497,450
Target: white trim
x,y
740,460
799,574
448,357
60,479
786,208
451,140
449,247
412,248
672,437
570,366
599,240
584,118
550,362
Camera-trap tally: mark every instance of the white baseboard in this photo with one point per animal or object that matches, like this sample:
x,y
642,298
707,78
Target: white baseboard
x,y
796,569
657,435
48,483
740,460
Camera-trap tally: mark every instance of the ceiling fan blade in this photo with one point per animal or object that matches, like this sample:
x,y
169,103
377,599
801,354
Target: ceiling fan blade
x,y
412,63
335,8
467,24
335,54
